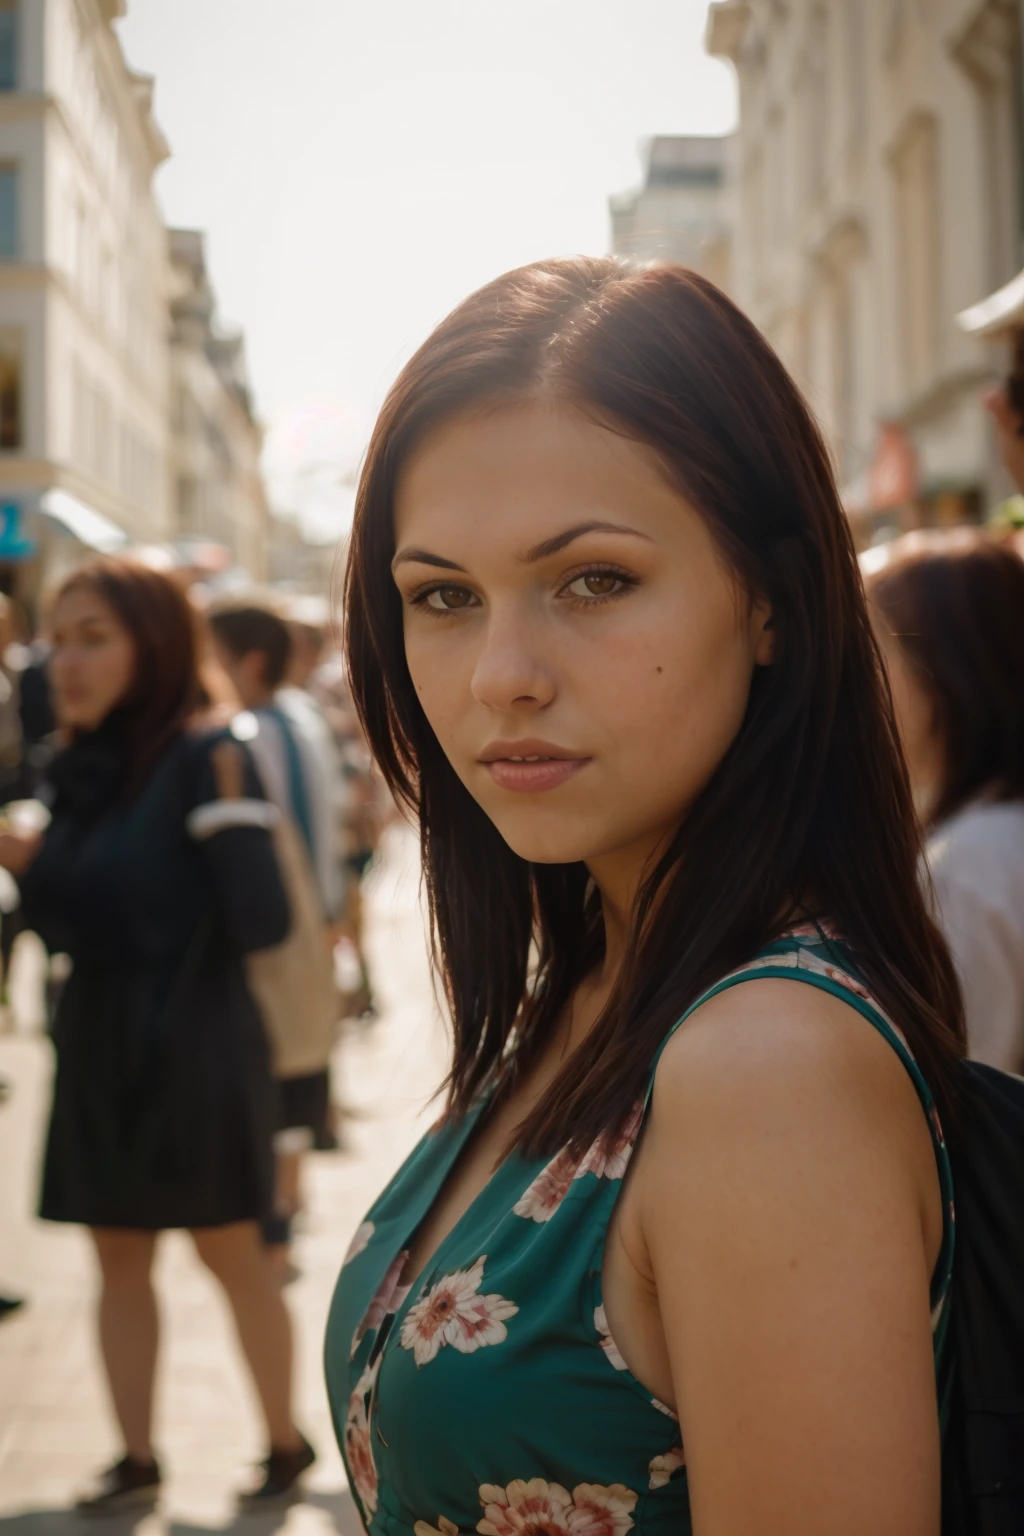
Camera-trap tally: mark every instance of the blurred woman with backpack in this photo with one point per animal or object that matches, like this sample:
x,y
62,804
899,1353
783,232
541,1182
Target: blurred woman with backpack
x,y
949,612
157,876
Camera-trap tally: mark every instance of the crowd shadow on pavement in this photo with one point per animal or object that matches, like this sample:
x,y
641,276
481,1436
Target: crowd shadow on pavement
x,y
330,1512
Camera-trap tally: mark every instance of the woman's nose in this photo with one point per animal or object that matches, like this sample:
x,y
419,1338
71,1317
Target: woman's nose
x,y
509,669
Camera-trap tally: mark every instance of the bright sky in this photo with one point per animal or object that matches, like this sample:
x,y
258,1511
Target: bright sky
x,y
360,167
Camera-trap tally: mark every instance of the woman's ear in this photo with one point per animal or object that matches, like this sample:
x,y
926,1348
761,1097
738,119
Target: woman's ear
x,y
762,627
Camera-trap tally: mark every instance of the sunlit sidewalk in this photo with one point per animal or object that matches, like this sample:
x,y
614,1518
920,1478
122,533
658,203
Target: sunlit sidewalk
x,y
55,1425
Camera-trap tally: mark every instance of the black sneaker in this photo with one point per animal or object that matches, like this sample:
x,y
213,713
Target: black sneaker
x,y
130,1484
281,1473
9,1304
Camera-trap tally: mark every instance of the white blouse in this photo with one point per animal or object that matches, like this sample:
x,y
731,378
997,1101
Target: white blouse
x,y
976,859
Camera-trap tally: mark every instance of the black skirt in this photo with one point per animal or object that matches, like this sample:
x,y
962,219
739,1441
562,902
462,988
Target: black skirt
x,y
168,1125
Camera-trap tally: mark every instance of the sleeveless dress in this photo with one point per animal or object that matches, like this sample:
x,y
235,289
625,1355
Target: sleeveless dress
x,y
490,1395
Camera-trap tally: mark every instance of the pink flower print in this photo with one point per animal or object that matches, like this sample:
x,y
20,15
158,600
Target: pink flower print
x,y
608,1344
452,1312
812,931
443,1527
662,1468
607,1157
360,1239
664,1408
538,1508
549,1188
601,1511
846,980
358,1452
388,1298
535,1508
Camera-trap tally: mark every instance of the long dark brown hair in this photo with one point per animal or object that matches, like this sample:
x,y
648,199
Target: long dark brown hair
x,y
954,603
165,690
810,808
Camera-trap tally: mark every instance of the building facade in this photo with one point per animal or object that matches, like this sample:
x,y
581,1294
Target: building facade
x,y
682,212
217,490
83,292
878,193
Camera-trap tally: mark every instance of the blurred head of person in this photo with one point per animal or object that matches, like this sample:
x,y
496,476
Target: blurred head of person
x,y
949,612
253,646
308,643
607,636
124,640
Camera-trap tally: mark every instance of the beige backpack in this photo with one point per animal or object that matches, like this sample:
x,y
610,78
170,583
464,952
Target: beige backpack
x,y
293,983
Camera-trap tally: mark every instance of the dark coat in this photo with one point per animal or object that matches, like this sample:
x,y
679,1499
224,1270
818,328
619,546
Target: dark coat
x,y
163,1105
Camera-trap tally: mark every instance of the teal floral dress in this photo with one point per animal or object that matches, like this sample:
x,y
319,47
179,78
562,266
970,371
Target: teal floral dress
x,y
489,1395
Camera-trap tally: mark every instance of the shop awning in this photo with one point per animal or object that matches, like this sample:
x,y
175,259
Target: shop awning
x,y
1001,311
87,525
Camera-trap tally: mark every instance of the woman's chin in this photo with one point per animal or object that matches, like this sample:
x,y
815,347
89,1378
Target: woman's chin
x,y
554,847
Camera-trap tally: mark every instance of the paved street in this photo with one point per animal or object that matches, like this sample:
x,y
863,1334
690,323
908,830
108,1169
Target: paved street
x,y
55,1425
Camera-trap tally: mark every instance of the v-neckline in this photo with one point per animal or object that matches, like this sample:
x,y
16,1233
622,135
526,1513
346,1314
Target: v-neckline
x,y
428,1269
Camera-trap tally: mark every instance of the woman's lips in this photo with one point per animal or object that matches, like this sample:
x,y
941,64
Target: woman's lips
x,y
532,778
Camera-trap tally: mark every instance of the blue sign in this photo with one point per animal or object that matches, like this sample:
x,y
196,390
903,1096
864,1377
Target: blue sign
x,y
13,544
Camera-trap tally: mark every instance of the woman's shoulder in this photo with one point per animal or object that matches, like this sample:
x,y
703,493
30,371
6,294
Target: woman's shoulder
x,y
208,735
776,1033
782,1094
791,1061
216,769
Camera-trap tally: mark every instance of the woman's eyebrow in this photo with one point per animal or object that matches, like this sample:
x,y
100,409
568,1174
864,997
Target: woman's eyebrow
x,y
424,557
541,551
560,541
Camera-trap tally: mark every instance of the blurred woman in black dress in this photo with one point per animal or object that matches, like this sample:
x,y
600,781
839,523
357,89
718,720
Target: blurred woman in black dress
x,y
157,876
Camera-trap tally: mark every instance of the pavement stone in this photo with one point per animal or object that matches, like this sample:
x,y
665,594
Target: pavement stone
x,y
56,1428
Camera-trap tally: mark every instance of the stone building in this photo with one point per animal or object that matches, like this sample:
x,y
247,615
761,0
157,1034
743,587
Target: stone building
x,y
83,293
681,213
217,489
878,168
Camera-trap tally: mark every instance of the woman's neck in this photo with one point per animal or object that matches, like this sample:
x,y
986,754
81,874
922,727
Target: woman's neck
x,y
618,878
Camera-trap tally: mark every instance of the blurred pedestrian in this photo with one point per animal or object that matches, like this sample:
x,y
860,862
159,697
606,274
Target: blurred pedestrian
x,y
10,714
949,611
253,646
38,722
294,754
365,807
157,876
1005,404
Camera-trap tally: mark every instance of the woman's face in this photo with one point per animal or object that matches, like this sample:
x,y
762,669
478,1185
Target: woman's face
x,y
93,660
576,640
915,719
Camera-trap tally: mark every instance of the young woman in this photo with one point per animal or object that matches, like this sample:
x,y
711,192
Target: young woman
x,y
156,875
948,608
677,1255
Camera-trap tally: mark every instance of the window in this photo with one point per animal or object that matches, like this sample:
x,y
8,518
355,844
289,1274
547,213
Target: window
x,y
8,45
10,389
8,212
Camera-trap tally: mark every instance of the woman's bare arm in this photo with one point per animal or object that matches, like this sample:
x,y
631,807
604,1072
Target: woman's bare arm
x,y
789,1202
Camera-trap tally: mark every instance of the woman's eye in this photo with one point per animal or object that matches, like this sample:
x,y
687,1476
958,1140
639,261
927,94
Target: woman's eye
x,y
448,599
596,584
